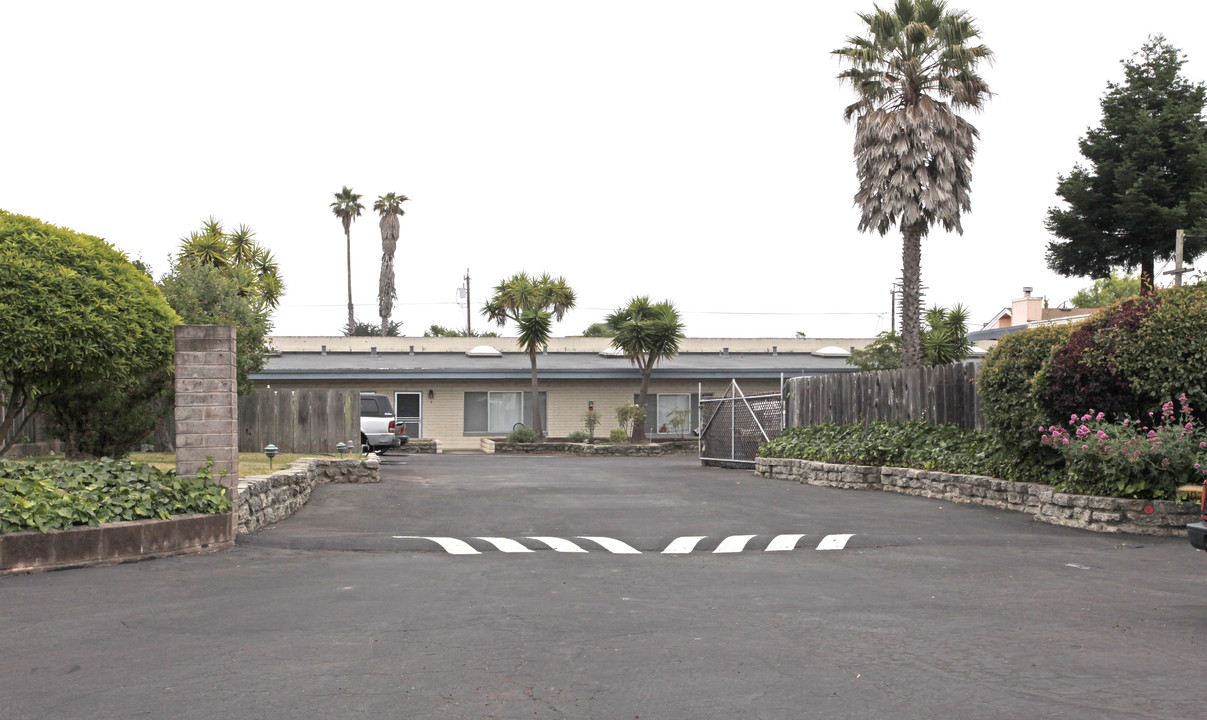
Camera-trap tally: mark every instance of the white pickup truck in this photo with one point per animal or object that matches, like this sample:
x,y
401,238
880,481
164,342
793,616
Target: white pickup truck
x,y
378,429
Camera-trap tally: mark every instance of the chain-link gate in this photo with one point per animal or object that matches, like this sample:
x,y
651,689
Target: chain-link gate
x,y
733,426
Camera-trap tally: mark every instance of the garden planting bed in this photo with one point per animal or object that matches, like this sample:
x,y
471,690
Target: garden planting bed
x,y
111,543
1087,512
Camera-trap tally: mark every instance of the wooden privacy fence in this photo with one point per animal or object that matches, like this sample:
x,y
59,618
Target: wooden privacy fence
x,y
299,421
938,394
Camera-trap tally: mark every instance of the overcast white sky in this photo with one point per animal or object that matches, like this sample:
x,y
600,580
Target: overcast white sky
x,y
692,150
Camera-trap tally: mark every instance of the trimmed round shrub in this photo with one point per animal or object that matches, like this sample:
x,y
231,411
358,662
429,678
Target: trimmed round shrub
x,y
1085,374
1167,354
1004,388
578,436
522,434
618,437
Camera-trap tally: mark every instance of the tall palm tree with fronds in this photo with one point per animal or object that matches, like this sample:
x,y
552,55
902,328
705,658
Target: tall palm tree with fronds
x,y
389,206
912,71
646,332
347,207
531,303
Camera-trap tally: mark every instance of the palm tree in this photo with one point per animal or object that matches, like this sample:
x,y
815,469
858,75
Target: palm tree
x,y
911,73
646,332
347,207
389,206
242,246
531,303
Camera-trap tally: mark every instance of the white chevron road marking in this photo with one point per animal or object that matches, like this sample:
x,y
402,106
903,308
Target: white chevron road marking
x,y
452,546
506,545
559,544
679,546
784,542
612,545
683,545
733,544
834,542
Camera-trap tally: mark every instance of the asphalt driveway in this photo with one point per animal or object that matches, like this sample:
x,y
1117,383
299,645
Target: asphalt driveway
x,y
351,610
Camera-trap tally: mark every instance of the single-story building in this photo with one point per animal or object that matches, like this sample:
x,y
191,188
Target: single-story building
x,y
458,390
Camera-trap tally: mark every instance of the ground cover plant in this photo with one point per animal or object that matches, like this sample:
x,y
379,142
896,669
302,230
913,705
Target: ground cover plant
x,y
61,494
917,444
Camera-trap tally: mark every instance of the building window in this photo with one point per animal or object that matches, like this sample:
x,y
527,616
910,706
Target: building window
x,y
659,406
496,413
668,405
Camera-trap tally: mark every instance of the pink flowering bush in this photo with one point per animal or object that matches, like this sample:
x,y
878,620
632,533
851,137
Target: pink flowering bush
x,y
1139,459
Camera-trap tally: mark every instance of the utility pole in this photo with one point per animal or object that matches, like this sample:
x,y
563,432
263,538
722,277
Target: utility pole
x,y
469,308
1179,245
892,293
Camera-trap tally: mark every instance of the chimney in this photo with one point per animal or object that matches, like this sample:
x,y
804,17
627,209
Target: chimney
x,y
1027,291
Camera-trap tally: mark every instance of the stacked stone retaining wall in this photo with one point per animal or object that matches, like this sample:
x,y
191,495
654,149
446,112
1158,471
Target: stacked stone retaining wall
x,y
266,499
1100,514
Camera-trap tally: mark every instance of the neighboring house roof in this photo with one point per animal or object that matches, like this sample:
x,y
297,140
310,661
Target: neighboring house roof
x,y
554,365
994,333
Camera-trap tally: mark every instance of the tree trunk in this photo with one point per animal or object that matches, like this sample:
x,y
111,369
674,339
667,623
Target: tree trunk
x,y
536,402
1147,276
911,296
639,436
351,315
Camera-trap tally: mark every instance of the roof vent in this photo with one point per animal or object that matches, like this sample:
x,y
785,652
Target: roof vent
x,y
775,350
412,352
373,351
724,352
831,351
483,351
324,349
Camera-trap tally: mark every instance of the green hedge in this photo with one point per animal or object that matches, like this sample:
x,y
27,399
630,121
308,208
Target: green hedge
x,y
59,494
918,444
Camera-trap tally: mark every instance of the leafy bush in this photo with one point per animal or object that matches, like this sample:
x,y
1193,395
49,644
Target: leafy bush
x,y
50,495
578,436
916,444
1134,356
591,420
629,416
1085,371
1167,354
1146,459
73,310
618,437
522,434
1004,387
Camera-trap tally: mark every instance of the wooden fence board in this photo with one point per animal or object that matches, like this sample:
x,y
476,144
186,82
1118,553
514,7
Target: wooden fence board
x,y
939,394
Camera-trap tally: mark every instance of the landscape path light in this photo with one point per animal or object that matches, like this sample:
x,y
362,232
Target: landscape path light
x,y
271,451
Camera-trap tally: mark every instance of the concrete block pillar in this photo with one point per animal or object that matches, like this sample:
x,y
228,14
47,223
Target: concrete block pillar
x,y
207,403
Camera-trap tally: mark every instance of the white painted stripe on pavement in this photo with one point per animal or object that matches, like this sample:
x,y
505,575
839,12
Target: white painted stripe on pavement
x,y
559,544
612,545
733,544
506,544
681,545
834,542
784,542
452,546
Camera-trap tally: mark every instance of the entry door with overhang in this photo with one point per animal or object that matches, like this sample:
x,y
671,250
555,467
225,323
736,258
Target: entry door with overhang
x,y
408,410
